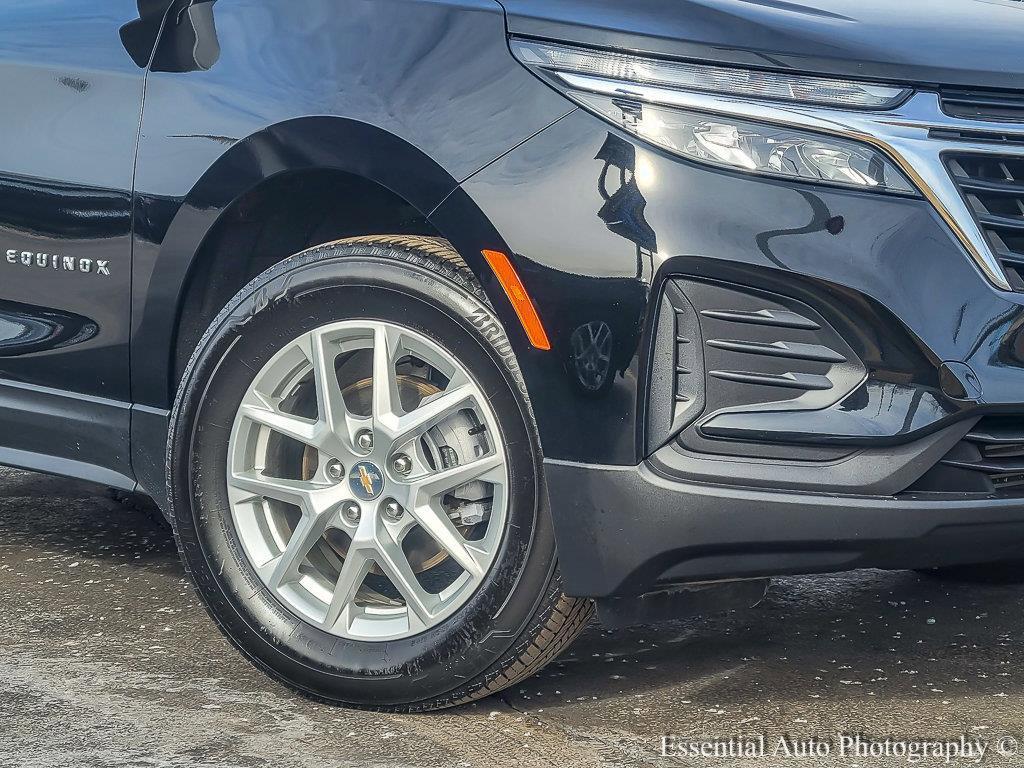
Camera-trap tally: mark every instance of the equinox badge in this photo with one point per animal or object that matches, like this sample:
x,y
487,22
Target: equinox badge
x,y
55,261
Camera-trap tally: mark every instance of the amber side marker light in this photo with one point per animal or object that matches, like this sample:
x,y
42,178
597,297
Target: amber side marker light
x,y
520,299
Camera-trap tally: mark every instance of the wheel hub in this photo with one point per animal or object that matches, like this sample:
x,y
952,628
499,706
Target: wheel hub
x,y
424,552
366,481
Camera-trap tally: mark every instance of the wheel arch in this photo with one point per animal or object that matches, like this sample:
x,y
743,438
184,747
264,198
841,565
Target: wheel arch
x,y
333,177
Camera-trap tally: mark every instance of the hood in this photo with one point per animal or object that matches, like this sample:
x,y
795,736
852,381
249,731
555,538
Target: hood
x,y
965,43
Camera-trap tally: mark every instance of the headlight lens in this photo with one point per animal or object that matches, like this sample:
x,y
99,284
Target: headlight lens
x,y
755,84
647,85
754,147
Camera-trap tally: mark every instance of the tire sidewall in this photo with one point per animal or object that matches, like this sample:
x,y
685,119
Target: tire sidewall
x,y
315,288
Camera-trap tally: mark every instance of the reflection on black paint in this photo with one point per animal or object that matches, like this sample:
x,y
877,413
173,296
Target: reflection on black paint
x,y
62,211
1011,344
605,340
25,329
189,41
139,36
76,84
623,210
592,355
822,220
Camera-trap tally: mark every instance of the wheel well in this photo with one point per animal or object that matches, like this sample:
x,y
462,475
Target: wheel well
x,y
282,216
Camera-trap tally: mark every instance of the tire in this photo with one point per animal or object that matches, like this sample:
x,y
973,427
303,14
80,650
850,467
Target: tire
x,y
516,621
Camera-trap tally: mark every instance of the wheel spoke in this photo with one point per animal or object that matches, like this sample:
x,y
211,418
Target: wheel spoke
x,y
353,571
329,401
393,562
302,493
303,430
433,411
339,425
285,567
387,405
453,477
436,522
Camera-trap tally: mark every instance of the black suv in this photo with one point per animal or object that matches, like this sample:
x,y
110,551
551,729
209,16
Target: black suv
x,y
387,302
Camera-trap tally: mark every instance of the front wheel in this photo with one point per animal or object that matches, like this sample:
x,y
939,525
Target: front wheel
x,y
356,484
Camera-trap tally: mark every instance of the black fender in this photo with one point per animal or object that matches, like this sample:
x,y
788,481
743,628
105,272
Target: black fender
x,y
310,143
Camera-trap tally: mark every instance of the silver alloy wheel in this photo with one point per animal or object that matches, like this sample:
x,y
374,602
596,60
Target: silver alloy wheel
x,y
330,534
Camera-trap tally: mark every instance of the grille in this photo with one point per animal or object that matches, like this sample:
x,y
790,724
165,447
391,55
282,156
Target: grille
x,y
990,459
993,186
1003,106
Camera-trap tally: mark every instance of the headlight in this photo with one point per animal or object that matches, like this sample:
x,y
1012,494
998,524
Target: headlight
x,y
754,147
626,90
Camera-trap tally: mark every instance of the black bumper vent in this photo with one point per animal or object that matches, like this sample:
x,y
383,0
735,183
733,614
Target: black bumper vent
x,y
993,186
725,353
1003,106
768,345
989,460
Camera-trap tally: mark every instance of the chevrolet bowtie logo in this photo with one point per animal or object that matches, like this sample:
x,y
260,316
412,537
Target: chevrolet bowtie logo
x,y
364,478
366,481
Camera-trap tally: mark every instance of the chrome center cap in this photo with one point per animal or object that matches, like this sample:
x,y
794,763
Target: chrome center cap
x,y
366,481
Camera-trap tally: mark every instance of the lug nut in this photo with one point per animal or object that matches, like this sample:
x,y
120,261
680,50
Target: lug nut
x,y
351,512
364,439
402,464
334,470
393,510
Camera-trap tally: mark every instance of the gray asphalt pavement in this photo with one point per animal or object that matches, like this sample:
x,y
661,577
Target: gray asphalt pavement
x,y
108,660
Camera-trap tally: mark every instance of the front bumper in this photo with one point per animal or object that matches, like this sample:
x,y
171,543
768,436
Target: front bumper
x,y
621,530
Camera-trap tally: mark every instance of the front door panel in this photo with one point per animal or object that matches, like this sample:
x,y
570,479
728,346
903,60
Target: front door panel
x,y
72,101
